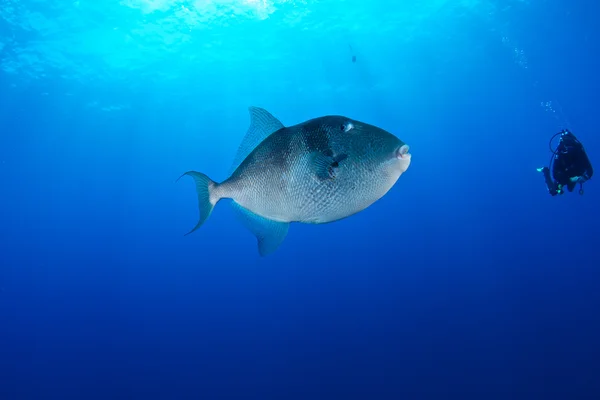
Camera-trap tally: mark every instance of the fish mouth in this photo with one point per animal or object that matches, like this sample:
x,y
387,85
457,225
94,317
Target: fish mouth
x,y
402,152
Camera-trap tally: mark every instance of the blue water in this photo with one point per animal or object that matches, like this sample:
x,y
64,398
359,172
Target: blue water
x,y
466,281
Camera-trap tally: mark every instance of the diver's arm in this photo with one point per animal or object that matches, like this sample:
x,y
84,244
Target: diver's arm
x,y
550,184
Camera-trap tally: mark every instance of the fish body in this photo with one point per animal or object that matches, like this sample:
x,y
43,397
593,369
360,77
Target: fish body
x,y
318,171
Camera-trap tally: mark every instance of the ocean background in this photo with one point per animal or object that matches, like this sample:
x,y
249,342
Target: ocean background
x,y
466,281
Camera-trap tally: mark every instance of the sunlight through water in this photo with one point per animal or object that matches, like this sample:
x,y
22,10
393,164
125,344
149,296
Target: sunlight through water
x,y
135,44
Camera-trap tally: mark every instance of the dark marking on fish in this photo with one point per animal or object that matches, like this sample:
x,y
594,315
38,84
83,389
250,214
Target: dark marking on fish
x,y
315,136
281,148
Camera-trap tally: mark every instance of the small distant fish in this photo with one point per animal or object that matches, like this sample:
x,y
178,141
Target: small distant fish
x,y
318,171
353,55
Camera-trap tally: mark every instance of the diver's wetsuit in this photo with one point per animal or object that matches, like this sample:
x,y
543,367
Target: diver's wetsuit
x,y
570,165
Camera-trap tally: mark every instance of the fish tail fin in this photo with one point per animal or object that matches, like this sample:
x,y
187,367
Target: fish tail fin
x,y
207,196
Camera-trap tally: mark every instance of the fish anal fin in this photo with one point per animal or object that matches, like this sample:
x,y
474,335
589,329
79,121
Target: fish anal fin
x,y
269,234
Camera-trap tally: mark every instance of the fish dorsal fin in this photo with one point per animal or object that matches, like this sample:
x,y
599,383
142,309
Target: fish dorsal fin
x,y
262,124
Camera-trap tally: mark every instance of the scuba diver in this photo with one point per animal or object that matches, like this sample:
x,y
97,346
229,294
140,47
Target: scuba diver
x,y
569,165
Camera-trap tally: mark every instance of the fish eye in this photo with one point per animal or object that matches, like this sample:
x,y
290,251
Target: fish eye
x,y
346,127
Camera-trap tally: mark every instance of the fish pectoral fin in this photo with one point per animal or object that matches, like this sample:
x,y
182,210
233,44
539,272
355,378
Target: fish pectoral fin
x,y
325,164
269,234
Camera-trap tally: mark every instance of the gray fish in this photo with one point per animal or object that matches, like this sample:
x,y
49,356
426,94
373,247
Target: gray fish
x,y
318,171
